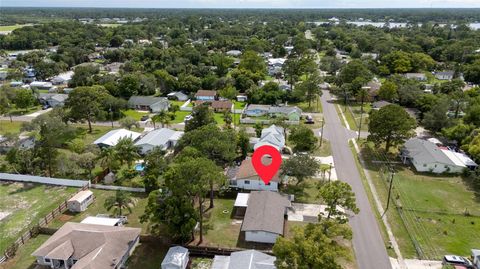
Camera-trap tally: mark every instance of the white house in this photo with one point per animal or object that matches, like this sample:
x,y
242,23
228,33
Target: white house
x,y
247,259
62,78
246,177
111,138
265,216
445,75
80,245
205,95
272,136
426,156
52,99
163,138
176,258
80,201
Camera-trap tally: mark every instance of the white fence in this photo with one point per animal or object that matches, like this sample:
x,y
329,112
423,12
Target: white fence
x,y
111,187
254,121
44,180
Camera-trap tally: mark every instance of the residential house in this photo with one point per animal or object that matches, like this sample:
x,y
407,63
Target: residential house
x,y
372,88
62,78
41,85
445,75
217,105
427,156
416,76
52,99
29,74
3,74
83,246
265,216
15,84
246,259
290,113
373,56
245,177
272,136
111,138
80,201
379,104
113,68
149,103
176,258
205,95
234,53
256,110
163,138
179,96
242,98
22,142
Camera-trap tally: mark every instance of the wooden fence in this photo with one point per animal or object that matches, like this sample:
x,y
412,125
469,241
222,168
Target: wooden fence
x,y
35,229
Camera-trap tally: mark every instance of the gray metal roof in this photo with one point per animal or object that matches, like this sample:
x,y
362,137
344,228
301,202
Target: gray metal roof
x,y
247,259
265,212
176,257
159,137
424,151
145,100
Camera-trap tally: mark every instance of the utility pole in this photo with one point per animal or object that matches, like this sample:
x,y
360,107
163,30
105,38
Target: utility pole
x,y
389,192
329,172
361,117
321,132
111,115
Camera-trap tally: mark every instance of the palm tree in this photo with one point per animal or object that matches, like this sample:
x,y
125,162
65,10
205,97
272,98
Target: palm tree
x,y
108,157
126,151
163,117
119,202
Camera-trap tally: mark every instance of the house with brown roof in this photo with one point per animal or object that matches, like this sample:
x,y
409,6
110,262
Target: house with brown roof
x,y
85,246
205,95
245,177
265,216
217,105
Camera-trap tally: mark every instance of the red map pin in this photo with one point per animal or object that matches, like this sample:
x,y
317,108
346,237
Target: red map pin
x,y
266,172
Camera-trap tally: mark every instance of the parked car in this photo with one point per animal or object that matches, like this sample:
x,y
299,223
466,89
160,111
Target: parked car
x,y
144,118
309,119
457,260
45,107
187,118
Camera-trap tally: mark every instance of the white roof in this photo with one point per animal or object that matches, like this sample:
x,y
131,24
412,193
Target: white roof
x,y
175,257
65,76
40,84
81,196
111,138
274,61
101,221
159,137
434,140
242,200
453,157
220,262
272,136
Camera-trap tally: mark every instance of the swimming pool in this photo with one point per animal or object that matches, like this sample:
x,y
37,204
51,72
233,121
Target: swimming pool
x,y
139,167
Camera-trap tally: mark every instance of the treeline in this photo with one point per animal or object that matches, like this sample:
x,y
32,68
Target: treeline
x,y
12,15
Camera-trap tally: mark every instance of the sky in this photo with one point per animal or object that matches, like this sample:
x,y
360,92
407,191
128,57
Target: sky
x,y
247,3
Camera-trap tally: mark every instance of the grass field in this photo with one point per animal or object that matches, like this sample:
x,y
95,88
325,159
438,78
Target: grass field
x,y
12,27
352,114
239,105
219,230
10,127
137,115
23,258
98,208
25,204
439,214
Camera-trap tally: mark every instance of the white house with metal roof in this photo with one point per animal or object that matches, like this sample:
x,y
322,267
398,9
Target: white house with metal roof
x,y
426,156
163,138
272,136
111,138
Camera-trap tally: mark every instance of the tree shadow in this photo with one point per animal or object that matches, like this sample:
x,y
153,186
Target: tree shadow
x,y
26,186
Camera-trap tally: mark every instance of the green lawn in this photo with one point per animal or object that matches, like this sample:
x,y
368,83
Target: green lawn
x,y
24,259
180,116
10,127
148,255
352,114
239,105
98,208
25,205
305,192
219,230
137,115
178,103
22,111
431,209
12,27
314,106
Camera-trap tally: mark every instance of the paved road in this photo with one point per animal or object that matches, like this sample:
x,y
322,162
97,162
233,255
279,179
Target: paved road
x,y
368,244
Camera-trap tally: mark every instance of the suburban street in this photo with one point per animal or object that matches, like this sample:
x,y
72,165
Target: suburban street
x,y
369,247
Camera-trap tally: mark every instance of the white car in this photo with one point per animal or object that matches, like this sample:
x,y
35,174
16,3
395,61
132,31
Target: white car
x,y
457,260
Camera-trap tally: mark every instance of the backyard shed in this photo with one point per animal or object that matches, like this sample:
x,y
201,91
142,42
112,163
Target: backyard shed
x,y
176,258
80,201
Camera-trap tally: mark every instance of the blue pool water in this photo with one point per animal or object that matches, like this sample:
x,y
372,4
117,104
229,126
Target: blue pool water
x,y
139,167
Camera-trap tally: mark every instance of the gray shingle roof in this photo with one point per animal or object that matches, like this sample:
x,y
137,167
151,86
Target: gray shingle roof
x,y
145,100
265,212
247,259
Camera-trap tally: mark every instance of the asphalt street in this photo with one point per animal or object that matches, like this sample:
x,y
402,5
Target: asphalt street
x,y
370,251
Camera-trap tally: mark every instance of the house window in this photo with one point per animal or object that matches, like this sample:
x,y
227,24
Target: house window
x,y
247,182
233,182
424,165
47,260
268,184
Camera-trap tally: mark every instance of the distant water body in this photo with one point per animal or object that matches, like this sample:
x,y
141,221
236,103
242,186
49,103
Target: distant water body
x,y
474,26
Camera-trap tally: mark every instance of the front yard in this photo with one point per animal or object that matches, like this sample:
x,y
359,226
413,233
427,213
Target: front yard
x,y
430,215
